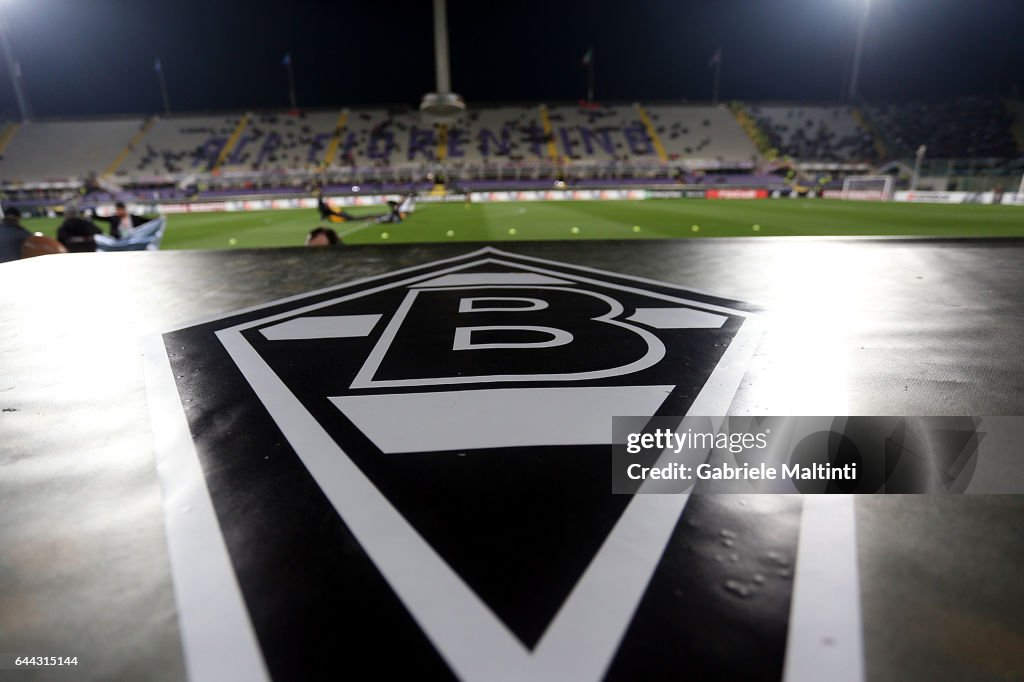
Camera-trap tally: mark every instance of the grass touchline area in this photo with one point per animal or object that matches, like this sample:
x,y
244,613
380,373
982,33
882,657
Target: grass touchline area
x,y
649,219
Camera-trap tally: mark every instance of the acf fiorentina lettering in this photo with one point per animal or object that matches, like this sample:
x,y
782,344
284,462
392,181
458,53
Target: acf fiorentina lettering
x,y
419,143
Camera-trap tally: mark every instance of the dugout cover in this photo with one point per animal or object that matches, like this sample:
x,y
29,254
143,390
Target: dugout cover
x,y
409,475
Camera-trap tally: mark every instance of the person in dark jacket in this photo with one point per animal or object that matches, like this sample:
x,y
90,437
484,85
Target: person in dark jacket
x,y
12,235
76,233
122,223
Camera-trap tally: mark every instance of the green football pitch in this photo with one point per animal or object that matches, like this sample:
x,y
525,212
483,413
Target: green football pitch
x,y
650,219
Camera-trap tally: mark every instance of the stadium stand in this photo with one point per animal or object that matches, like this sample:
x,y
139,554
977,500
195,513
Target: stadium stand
x,y
180,145
969,127
381,137
516,134
819,133
399,136
701,132
600,133
496,135
276,140
49,150
520,145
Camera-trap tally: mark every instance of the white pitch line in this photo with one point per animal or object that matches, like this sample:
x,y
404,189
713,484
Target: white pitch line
x,y
356,229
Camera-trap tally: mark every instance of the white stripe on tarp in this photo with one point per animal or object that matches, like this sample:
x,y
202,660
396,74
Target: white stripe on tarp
x,y
321,327
497,418
484,278
677,318
826,640
220,644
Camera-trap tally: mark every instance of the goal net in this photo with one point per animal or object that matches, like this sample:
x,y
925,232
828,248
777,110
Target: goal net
x,y
868,187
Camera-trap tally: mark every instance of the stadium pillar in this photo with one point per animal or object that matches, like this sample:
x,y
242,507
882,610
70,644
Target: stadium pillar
x,y
862,29
159,68
14,68
718,80
441,63
291,81
442,106
590,77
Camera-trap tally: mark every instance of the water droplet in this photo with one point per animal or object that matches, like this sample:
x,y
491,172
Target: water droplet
x,y
737,588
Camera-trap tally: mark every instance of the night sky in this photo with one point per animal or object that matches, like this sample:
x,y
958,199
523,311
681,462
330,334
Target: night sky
x,y
82,57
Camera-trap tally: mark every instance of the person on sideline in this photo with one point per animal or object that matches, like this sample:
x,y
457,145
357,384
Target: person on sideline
x,y
12,235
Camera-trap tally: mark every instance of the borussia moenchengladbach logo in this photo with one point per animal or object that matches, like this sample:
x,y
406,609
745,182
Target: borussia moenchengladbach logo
x,y
453,422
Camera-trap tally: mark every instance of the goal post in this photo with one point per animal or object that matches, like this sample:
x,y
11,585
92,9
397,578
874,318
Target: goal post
x,y
868,187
